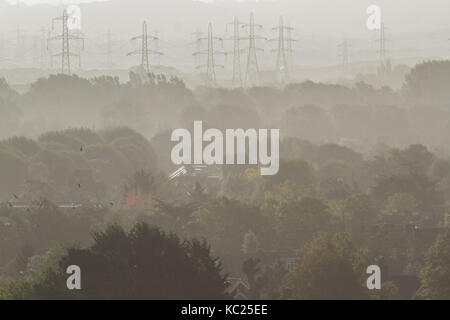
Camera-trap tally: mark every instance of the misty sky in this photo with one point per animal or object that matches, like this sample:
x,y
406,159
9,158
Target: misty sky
x,y
415,28
34,2
402,16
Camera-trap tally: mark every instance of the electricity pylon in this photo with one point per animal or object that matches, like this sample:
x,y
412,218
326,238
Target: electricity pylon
x,y
252,72
385,64
43,46
2,49
145,51
290,49
109,59
3,55
210,79
65,38
36,50
157,60
283,71
344,54
382,50
108,45
19,43
198,45
237,72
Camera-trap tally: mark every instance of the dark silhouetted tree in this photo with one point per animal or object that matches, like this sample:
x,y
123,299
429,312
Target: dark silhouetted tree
x,y
144,263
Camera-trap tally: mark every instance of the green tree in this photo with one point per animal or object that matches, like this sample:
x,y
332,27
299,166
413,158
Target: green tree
x,y
428,82
251,269
250,244
414,159
297,220
359,209
401,203
13,173
436,274
297,171
271,278
424,190
224,222
330,268
22,258
144,263
389,291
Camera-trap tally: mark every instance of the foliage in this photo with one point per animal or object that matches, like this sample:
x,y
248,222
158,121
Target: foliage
x,y
436,274
330,268
143,263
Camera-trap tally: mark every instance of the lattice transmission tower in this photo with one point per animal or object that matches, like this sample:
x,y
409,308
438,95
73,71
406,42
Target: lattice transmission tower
x,y
145,51
385,64
210,77
237,71
65,37
344,46
252,76
284,63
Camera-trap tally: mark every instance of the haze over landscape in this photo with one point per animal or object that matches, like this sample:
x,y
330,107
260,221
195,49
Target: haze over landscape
x,y
415,31
89,122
